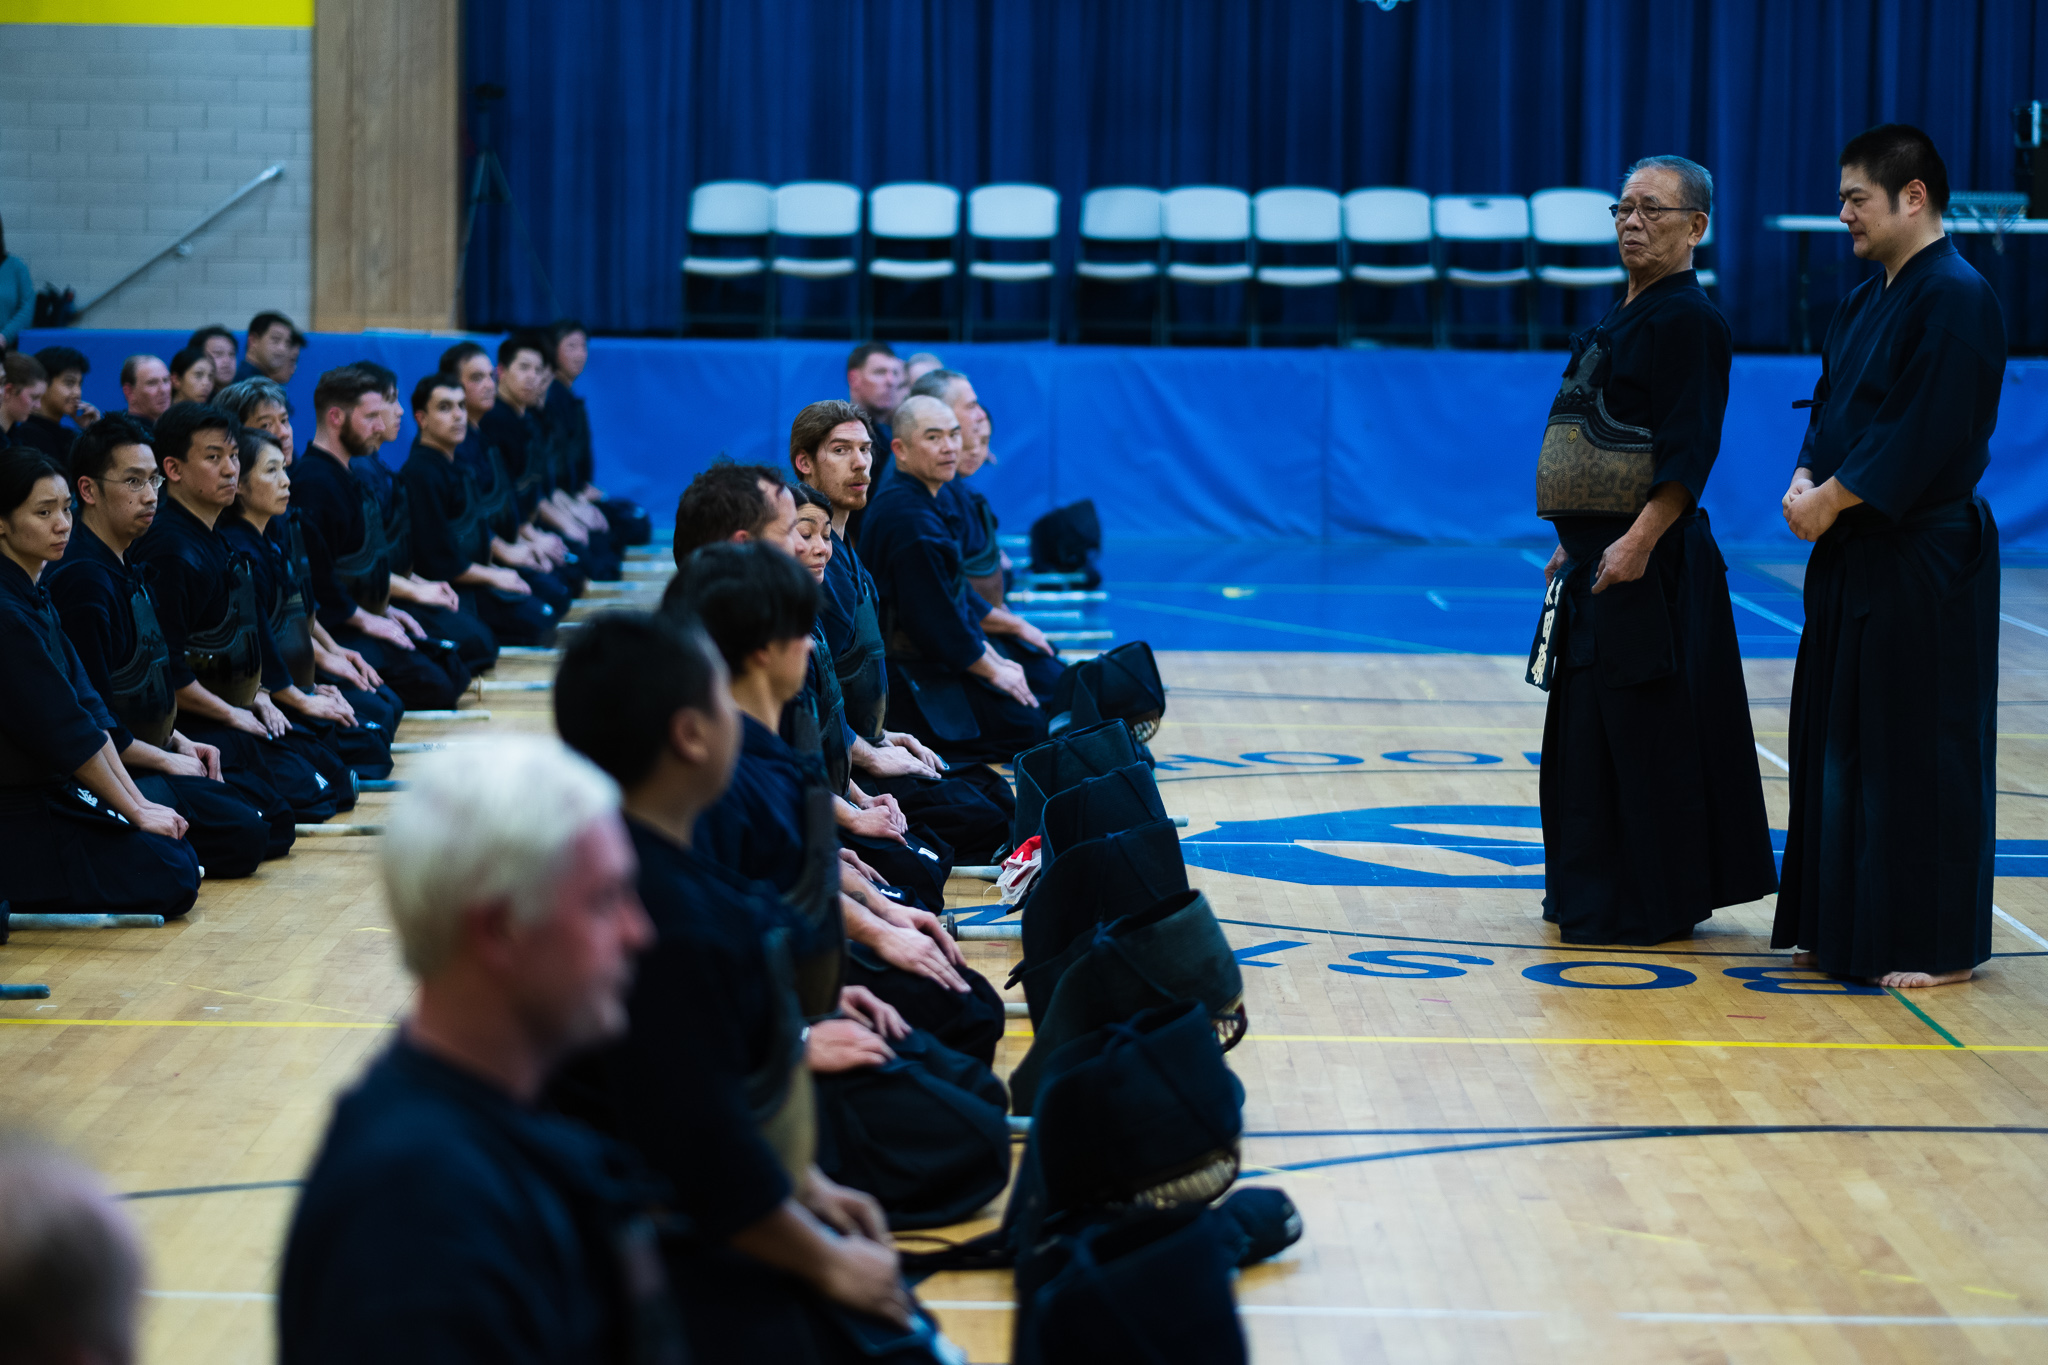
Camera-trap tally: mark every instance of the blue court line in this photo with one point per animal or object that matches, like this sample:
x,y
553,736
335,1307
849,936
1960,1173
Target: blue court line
x,y
1739,600
1537,947
1629,1134
1283,627
1498,769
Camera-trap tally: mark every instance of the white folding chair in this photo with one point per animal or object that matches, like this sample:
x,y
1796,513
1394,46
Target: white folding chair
x,y
740,211
912,211
1127,218
1388,217
818,210
1207,216
1294,217
1013,213
1576,219
1494,218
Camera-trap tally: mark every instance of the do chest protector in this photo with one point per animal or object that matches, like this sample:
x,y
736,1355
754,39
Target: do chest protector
x,y
141,694
228,659
1590,464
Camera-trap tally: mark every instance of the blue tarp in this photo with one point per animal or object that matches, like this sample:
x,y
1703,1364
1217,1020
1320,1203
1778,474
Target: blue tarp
x,y
1415,446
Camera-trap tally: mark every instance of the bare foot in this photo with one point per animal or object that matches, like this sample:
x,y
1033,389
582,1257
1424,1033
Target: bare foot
x,y
1913,981
1806,959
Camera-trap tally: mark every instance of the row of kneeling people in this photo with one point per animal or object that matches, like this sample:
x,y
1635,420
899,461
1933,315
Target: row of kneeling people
x,y
803,1062
214,637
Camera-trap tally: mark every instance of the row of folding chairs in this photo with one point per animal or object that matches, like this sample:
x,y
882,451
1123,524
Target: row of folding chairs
x,y
1288,239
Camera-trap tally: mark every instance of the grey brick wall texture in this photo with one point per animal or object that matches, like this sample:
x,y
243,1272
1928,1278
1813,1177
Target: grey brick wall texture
x,y
115,138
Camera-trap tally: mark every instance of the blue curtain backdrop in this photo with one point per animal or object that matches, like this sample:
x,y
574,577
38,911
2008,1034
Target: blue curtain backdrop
x,y
616,110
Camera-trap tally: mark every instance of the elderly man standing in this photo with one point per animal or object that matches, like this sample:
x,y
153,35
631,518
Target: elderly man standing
x,y
447,1219
1653,809
1889,851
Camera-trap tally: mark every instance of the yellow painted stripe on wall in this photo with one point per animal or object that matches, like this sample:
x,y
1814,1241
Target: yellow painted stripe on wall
x,y
157,14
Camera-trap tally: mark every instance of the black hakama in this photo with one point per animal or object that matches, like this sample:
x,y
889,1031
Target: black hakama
x,y
1653,810
1889,854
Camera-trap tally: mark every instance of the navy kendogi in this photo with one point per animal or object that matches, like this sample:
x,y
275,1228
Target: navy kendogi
x,y
61,850
351,568
1888,856
110,620
206,603
472,639
450,534
568,418
286,535
933,635
445,1223
971,807
1653,809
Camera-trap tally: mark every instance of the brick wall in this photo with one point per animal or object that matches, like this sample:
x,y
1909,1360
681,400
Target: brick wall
x,y
115,138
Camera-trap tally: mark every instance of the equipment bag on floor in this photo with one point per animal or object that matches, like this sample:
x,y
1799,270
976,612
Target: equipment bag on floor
x,y
1173,951
1100,806
1066,540
1144,1287
1122,684
1073,758
1094,883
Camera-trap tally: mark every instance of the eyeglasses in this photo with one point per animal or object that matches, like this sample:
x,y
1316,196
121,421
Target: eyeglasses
x,y
1652,214
152,482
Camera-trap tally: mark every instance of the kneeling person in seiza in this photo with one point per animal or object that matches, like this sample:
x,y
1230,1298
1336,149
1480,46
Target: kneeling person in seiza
x,y
1653,809
224,663
76,835
947,684
711,1082
111,622
448,1219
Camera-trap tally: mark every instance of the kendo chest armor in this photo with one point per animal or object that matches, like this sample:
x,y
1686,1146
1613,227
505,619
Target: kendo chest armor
x,y
365,573
228,659
1591,465
291,609
142,695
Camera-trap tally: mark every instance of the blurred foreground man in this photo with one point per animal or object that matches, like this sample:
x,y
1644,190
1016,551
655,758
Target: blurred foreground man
x,y
446,1219
70,1266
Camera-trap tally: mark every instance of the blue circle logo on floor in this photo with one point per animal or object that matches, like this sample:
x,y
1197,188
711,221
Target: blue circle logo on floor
x,y
1373,843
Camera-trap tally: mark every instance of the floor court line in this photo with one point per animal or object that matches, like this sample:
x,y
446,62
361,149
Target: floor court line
x,y
1625,1135
1292,1310
1284,627
1530,947
1747,605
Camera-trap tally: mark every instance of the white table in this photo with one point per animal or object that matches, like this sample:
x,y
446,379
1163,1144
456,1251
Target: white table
x,y
1804,225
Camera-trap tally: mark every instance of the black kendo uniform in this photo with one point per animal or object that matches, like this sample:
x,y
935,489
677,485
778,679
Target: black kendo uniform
x,y
348,555
1653,810
493,503
285,599
567,416
931,625
444,1223
756,830
472,638
52,438
1888,857
110,620
527,464
61,850
381,704
205,593
543,466
971,807
974,525
709,1084
451,532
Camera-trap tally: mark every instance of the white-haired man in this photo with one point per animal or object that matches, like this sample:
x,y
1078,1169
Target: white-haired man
x,y
447,1219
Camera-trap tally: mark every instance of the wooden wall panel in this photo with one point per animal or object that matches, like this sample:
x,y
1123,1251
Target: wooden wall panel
x,y
386,202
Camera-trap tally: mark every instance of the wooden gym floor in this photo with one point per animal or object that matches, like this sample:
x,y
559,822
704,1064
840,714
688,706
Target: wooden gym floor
x,y
1649,1156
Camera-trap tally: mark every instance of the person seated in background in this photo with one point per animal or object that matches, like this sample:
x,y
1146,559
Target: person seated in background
x,y
948,685
284,595
193,379
742,503
146,389
71,1268
344,533
974,524
21,393
224,662
76,835
65,371
875,384
272,349
970,806
567,417
714,1020
758,606
221,348
447,1218
234,815
539,464
452,543
540,557
916,368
